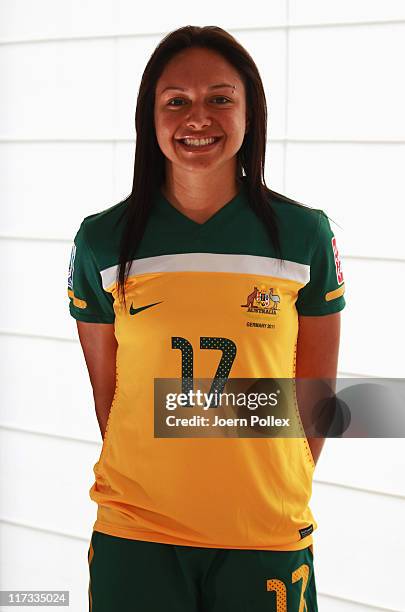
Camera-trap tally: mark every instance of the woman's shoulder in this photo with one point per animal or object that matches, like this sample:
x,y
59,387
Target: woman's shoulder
x,y
101,231
301,226
294,213
104,227
105,218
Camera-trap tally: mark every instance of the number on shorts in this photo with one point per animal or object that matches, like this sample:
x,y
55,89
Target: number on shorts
x,y
278,586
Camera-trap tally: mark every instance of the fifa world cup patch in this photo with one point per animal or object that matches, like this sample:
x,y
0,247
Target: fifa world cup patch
x,y
79,303
71,266
306,531
338,263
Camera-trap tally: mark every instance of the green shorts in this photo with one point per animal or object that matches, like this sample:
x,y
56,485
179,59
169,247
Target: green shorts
x,y
137,576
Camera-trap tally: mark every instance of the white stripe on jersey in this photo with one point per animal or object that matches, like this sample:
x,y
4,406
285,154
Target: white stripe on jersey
x,y
213,262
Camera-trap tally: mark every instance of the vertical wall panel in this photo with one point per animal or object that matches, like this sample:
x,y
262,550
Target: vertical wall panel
x,y
57,90
344,83
50,187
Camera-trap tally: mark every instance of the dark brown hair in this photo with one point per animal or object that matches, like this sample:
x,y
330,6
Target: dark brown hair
x,y
149,168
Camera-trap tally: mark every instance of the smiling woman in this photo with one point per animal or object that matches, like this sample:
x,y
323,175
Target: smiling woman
x,y
202,273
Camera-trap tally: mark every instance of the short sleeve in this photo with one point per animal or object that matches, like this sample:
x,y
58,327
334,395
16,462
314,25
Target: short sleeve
x,y
323,294
88,301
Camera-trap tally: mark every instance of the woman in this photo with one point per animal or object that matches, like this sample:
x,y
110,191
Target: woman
x,y
225,279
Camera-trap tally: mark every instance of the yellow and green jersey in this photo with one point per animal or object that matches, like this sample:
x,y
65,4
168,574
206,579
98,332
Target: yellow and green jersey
x,y
201,283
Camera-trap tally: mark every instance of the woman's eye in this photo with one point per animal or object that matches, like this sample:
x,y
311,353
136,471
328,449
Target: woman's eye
x,y
173,100
221,98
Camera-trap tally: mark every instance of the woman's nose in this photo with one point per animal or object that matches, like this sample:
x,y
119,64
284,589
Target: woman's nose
x,y
198,118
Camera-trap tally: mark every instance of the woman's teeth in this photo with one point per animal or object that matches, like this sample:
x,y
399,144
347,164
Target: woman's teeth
x,y
194,142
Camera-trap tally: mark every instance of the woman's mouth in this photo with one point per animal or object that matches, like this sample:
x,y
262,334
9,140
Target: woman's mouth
x,y
199,144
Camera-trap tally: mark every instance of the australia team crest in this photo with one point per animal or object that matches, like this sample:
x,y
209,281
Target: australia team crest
x,y
263,299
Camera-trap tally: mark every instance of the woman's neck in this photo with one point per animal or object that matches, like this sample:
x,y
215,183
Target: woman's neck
x,y
199,197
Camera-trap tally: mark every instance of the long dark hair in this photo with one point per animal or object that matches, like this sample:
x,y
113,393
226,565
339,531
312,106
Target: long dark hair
x,y
149,168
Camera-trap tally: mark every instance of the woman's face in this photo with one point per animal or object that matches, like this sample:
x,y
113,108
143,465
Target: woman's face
x,y
200,95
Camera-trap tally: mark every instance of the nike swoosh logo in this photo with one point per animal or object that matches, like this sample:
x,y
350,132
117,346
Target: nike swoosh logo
x,y
133,310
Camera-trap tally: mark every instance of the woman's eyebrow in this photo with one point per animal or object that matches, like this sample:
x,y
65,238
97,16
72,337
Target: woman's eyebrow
x,y
217,86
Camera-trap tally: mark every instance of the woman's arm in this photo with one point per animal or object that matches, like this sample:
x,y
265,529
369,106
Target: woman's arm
x,y
317,357
100,348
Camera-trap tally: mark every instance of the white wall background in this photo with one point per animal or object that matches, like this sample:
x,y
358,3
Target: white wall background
x,y
333,73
